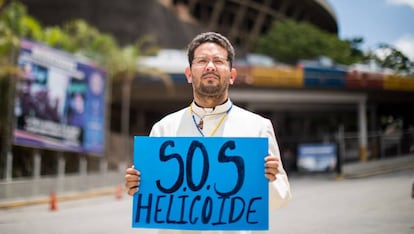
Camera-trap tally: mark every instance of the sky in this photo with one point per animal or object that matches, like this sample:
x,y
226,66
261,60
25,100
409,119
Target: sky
x,y
377,21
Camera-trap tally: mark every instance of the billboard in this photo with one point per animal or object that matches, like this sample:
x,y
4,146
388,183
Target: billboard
x,y
60,101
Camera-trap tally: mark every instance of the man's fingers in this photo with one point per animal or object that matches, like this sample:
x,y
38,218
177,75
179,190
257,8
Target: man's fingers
x,y
132,184
270,177
271,167
132,171
129,177
132,191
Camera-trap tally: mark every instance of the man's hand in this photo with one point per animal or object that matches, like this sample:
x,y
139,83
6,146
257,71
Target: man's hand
x,y
271,167
132,180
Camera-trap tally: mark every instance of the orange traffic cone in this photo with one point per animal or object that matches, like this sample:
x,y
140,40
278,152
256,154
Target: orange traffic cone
x,y
53,201
118,192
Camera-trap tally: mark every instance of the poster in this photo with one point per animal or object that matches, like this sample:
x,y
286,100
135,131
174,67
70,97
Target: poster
x,y
60,101
195,183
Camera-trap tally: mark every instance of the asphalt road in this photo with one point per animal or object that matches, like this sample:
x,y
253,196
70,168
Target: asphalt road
x,y
321,204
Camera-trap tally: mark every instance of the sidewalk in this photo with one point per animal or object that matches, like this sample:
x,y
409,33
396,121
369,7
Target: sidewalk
x,y
377,167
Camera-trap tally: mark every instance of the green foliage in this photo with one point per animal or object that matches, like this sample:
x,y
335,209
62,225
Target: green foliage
x,y
76,36
15,23
55,37
393,59
289,41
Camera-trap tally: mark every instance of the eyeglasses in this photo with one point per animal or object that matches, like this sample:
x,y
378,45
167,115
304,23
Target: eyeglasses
x,y
203,61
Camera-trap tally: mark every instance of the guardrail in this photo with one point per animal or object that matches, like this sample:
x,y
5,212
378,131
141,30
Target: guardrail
x,y
28,189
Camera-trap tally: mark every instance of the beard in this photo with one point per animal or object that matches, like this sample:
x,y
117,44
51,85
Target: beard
x,y
210,88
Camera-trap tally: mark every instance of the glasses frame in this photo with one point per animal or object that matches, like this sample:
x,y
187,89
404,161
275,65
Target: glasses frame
x,y
202,61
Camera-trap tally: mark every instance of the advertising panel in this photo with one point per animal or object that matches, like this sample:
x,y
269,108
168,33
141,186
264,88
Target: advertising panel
x,y
365,80
60,101
317,157
324,77
280,76
398,82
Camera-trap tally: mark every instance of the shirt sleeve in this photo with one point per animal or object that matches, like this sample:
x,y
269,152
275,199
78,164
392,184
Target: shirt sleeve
x,y
279,189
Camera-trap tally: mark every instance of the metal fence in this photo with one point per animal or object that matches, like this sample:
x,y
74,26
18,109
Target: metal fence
x,y
379,145
29,189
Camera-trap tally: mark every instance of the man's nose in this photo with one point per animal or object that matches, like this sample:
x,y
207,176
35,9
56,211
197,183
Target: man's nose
x,y
210,65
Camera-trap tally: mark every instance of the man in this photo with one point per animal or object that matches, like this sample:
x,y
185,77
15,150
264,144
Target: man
x,y
211,72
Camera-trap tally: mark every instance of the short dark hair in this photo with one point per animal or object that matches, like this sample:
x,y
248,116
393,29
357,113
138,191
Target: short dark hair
x,y
213,37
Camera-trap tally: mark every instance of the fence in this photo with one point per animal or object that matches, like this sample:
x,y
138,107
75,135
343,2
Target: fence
x,y
29,189
379,146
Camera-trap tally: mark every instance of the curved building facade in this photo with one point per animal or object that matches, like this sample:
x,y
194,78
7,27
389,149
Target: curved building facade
x,y
174,22
243,21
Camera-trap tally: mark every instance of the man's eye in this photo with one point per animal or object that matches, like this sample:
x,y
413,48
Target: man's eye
x,y
202,61
218,61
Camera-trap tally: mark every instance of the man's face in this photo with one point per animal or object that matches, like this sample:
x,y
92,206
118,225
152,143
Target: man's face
x,y
210,72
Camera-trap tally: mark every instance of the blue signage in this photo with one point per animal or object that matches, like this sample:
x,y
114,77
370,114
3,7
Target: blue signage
x,y
195,183
317,157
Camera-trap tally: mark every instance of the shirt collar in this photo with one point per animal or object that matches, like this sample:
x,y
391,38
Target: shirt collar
x,y
220,109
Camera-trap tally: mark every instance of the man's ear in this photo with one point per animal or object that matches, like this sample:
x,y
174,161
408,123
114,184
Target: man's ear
x,y
233,75
188,75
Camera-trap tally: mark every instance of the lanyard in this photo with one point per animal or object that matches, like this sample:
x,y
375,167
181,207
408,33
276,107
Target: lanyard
x,y
218,124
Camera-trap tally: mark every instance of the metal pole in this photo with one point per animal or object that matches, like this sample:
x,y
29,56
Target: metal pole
x,y
362,123
61,165
83,165
340,152
37,163
9,166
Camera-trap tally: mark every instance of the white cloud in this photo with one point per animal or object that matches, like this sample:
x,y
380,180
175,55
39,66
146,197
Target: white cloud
x,y
409,3
405,44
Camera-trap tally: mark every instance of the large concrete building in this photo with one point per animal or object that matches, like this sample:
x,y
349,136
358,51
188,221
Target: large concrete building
x,y
174,22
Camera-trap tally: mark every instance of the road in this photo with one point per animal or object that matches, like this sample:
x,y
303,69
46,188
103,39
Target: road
x,y
320,204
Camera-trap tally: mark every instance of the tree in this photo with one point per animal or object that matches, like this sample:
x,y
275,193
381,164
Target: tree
x,y
123,67
389,57
82,40
15,23
289,41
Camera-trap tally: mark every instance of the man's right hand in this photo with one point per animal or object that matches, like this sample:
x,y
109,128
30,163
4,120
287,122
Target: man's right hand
x,y
132,180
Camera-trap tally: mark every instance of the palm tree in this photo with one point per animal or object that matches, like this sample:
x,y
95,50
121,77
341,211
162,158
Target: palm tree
x,y
124,68
15,23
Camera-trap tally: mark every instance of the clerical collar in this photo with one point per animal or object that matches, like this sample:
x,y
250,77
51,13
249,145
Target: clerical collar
x,y
220,109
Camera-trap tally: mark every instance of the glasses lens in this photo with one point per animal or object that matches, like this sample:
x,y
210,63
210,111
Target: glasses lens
x,y
203,61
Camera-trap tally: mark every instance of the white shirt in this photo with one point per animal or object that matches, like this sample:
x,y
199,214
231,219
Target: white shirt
x,y
238,122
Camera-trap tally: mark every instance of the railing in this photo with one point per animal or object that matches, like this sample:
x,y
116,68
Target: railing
x,y
29,188
379,146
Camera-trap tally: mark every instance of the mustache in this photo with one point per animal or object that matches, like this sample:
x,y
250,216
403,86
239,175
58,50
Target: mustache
x,y
209,74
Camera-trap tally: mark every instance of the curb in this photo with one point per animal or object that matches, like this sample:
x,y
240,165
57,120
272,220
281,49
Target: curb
x,y
378,171
61,198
